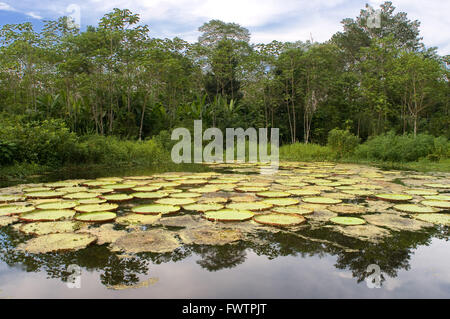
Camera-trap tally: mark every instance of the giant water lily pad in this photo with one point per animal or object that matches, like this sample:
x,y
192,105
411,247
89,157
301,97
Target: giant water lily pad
x,y
303,192
365,232
91,208
155,209
273,194
347,209
420,192
347,220
137,219
183,221
57,242
154,240
415,209
81,195
117,197
150,195
252,206
96,217
437,203
47,215
209,236
251,189
281,201
45,228
57,205
36,189
439,219
202,207
7,220
321,200
395,222
14,209
228,215
277,219
176,201
89,201
185,195
148,188
438,197
438,185
105,234
293,210
394,197
46,194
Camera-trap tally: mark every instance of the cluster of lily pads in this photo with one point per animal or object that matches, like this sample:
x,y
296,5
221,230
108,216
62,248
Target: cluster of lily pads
x,y
214,208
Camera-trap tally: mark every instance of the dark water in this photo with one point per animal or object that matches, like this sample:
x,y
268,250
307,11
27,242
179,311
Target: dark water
x,y
274,265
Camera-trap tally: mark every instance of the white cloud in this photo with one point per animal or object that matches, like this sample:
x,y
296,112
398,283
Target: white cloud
x,y
287,20
6,7
34,15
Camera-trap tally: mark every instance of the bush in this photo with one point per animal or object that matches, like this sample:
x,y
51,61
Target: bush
x,y
48,142
7,152
402,148
342,142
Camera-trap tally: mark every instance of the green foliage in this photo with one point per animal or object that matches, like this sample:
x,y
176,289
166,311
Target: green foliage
x,y
306,152
7,152
402,148
342,142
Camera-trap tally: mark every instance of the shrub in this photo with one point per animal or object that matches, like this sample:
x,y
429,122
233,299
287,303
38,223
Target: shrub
x,y
305,152
402,148
342,142
7,152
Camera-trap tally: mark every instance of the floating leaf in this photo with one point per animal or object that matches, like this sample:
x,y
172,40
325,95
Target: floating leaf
x,y
347,209
438,197
15,209
58,205
321,200
185,195
415,209
438,185
252,206
277,219
395,222
281,201
137,219
176,201
155,209
440,219
293,210
57,242
117,197
91,208
47,215
96,217
420,192
228,215
303,192
154,240
208,236
148,188
150,195
347,220
437,203
203,207
81,195
45,228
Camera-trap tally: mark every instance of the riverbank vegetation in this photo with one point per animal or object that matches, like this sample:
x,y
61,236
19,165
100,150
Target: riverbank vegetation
x,y
110,94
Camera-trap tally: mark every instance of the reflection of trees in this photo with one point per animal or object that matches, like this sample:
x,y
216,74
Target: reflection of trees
x,y
391,255
215,258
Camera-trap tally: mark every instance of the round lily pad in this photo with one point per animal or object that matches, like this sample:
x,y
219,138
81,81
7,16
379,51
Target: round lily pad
x,y
185,195
228,215
281,201
321,200
415,209
96,217
394,197
209,236
437,203
15,209
440,219
36,189
438,185
293,210
117,197
117,187
45,228
202,207
347,209
91,201
154,240
277,219
421,192
250,189
47,215
273,194
358,192
155,209
347,220
148,188
438,197
137,219
150,195
176,201
303,192
252,206
57,205
58,242
91,208
81,195
76,189
45,194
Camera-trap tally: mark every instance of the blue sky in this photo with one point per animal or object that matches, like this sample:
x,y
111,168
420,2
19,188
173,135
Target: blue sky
x,y
267,20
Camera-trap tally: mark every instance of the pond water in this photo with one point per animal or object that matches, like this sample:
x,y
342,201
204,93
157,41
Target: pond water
x,y
315,259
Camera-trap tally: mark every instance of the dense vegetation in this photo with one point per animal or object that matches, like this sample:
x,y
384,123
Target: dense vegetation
x,y
71,96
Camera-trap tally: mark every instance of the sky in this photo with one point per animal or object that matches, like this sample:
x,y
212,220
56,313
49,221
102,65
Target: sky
x,y
267,20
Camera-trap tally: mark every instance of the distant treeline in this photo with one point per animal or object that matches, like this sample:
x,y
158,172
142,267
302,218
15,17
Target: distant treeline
x,y
115,79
